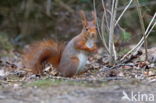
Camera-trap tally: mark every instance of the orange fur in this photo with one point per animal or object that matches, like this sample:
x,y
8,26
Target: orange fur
x,y
39,52
81,46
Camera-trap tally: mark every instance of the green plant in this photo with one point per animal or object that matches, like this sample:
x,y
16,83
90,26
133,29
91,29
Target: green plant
x,y
126,36
4,42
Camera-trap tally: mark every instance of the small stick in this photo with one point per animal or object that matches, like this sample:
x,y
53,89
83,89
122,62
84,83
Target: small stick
x,y
111,32
123,12
147,32
100,34
142,28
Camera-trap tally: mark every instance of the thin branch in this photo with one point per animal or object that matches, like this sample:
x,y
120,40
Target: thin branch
x,y
65,6
97,23
101,34
111,38
147,32
102,27
142,28
123,12
146,36
153,18
48,7
141,5
105,16
114,18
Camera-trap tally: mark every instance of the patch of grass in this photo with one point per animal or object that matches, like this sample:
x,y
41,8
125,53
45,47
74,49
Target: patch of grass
x,y
44,83
54,82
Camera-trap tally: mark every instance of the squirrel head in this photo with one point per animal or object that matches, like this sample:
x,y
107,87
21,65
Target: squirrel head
x,y
89,27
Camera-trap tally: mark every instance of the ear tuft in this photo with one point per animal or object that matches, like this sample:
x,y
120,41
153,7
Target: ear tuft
x,y
94,17
83,18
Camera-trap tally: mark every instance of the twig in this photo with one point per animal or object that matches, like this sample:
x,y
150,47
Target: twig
x,y
141,5
48,7
147,32
97,23
142,28
153,18
111,33
65,6
102,27
114,19
100,33
105,16
147,35
123,12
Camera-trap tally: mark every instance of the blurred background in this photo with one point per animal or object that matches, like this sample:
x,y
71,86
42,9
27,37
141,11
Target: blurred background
x,y
26,21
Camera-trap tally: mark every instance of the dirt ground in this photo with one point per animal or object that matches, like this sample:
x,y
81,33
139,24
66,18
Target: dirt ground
x,y
102,83
76,92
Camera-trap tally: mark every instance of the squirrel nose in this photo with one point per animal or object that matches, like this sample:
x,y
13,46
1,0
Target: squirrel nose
x,y
92,34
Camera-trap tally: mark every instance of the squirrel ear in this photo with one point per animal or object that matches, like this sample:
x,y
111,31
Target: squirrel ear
x,y
94,16
83,18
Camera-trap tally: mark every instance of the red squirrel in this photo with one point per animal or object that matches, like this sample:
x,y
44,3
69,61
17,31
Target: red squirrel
x,y
68,60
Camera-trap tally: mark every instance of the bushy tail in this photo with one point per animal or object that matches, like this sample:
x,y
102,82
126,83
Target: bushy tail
x,y
45,51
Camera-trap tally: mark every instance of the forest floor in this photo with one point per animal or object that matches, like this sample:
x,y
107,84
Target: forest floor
x,y
100,84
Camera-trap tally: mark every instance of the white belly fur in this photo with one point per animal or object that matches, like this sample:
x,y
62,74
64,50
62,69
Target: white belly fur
x,y
82,61
83,57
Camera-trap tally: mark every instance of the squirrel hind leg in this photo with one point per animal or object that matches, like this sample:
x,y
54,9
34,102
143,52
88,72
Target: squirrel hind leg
x,y
69,68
